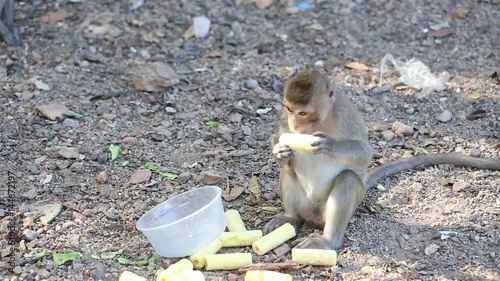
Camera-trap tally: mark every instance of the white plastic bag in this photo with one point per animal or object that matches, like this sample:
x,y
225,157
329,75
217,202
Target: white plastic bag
x,y
415,74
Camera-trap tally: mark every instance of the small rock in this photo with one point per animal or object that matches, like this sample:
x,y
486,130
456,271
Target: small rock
x,y
413,230
140,176
387,135
251,84
235,117
5,228
145,54
77,167
17,270
201,26
102,158
50,211
129,140
170,110
155,77
26,95
445,116
431,249
34,169
30,235
459,186
183,177
78,266
102,177
367,269
187,115
53,111
232,277
246,130
402,129
69,152
43,273
30,194
165,132
75,124
73,240
210,177
42,85
401,241
109,116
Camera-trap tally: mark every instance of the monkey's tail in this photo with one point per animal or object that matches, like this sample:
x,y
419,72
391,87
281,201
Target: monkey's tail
x,y
378,173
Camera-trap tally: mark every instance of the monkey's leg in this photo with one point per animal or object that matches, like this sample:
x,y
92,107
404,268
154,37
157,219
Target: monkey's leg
x,y
293,197
347,193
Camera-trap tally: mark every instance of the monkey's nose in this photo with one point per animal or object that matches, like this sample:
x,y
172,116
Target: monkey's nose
x,y
298,130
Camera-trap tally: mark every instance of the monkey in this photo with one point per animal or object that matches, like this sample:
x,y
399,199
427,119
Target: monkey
x,y
325,186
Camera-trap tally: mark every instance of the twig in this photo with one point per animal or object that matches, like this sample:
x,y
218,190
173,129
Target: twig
x,y
271,266
18,130
381,90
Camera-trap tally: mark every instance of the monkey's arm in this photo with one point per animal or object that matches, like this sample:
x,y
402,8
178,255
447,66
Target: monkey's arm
x,y
378,173
348,152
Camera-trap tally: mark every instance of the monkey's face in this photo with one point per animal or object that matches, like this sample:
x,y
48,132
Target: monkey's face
x,y
301,119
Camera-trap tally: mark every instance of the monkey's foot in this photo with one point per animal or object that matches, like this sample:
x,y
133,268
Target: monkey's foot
x,y
279,221
315,243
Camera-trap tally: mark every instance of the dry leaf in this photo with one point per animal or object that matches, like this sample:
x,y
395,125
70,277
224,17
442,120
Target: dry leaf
x,y
53,110
231,193
54,17
253,187
189,32
442,32
358,66
262,4
475,96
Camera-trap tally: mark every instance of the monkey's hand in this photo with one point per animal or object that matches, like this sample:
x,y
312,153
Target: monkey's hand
x,y
323,145
282,152
279,221
315,243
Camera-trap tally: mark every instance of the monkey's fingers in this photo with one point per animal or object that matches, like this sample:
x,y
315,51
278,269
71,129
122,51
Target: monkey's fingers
x,y
282,149
279,221
284,155
315,243
322,135
322,146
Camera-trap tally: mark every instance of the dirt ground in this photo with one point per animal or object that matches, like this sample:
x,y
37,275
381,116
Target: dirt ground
x,y
436,223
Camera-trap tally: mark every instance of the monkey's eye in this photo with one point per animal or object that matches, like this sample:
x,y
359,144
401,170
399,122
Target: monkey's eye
x,y
302,113
288,109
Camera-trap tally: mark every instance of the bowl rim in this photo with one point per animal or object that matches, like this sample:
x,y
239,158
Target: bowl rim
x,y
216,197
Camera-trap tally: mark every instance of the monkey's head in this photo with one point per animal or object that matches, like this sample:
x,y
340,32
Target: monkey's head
x,y
308,99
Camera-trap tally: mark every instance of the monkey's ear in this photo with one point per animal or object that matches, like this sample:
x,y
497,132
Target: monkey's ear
x,y
293,73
